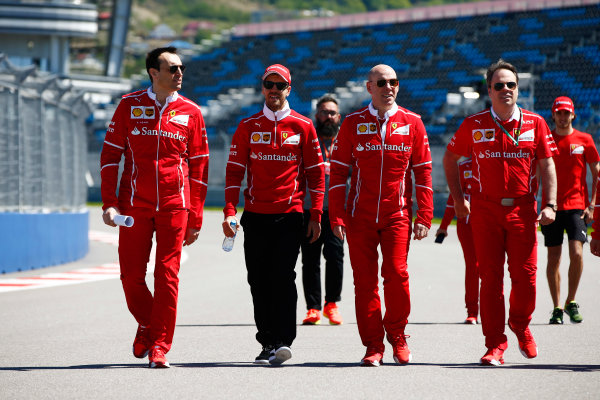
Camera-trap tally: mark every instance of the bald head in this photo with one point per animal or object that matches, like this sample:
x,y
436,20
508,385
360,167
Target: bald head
x,y
380,69
383,97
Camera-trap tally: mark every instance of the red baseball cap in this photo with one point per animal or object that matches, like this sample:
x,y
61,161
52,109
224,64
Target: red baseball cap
x,y
563,103
279,70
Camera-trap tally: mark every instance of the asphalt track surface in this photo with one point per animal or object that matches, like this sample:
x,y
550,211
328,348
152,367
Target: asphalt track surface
x,y
74,341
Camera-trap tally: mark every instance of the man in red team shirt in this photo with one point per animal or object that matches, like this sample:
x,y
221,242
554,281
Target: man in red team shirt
x,y
279,151
506,144
382,143
162,136
576,149
465,236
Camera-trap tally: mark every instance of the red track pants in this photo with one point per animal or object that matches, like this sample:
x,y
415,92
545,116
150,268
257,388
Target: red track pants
x,y
393,234
158,311
500,230
465,236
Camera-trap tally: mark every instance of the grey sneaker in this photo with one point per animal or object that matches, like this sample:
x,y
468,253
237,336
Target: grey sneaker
x,y
280,355
572,309
557,317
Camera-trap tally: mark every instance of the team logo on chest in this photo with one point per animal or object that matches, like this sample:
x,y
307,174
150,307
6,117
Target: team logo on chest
x,y
366,128
576,149
141,112
290,138
400,130
483,135
527,136
260,138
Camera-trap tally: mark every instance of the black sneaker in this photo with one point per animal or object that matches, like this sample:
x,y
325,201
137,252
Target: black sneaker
x,y
263,357
280,354
557,317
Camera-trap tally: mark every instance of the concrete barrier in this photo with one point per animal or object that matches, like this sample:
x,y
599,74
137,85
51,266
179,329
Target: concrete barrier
x,y
36,240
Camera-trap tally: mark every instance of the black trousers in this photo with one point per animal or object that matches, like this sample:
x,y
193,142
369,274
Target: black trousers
x,y
271,247
333,251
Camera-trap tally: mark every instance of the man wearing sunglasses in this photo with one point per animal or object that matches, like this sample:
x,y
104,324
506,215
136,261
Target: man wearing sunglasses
x,y
162,137
575,210
327,125
279,152
382,143
507,144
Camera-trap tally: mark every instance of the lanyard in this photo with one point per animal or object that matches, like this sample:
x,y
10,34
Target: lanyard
x,y
515,140
326,150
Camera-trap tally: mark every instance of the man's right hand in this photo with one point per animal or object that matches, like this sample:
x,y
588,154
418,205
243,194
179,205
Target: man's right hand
x,y
339,231
109,214
462,209
227,229
442,232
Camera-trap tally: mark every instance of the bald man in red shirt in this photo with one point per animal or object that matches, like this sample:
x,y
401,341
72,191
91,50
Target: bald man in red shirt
x,y
507,145
575,211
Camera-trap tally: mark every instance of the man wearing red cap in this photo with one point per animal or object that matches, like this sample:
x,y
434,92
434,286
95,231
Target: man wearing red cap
x,y
279,151
506,144
576,149
382,143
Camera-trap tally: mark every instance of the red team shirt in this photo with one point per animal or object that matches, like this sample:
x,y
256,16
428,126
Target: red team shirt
x,y
281,154
379,167
575,152
500,168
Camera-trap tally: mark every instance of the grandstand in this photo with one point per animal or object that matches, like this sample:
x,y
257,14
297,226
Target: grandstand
x,y
436,52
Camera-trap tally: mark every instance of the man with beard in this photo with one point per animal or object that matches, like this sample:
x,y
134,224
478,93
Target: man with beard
x,y
327,125
277,150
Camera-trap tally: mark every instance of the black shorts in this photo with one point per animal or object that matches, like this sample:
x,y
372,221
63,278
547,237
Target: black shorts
x,y
566,220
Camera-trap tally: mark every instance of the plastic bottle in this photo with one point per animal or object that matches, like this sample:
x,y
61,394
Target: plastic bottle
x,y
228,241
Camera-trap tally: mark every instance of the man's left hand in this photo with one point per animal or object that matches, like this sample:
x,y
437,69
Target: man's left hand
x,y
313,231
420,231
190,236
547,216
588,215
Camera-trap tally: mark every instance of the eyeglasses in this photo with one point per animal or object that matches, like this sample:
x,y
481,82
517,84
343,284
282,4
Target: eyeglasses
x,y
383,82
280,85
328,113
498,86
173,68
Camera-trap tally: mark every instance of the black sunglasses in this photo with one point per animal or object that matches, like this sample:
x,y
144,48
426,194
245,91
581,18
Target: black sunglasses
x,y
498,86
280,85
173,68
392,82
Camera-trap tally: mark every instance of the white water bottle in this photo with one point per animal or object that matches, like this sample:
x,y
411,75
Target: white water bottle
x,y
228,241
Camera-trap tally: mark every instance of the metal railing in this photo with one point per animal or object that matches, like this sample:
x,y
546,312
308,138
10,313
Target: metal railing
x,y
43,143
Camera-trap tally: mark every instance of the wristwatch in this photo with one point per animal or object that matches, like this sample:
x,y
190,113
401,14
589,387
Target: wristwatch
x,y
552,206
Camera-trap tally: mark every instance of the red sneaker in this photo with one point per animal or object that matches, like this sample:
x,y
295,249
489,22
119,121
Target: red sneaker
x,y
157,358
141,343
372,358
332,312
401,352
527,344
493,356
313,317
471,321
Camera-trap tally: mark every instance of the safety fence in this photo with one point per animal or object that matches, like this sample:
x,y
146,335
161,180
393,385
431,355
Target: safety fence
x,y
43,143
